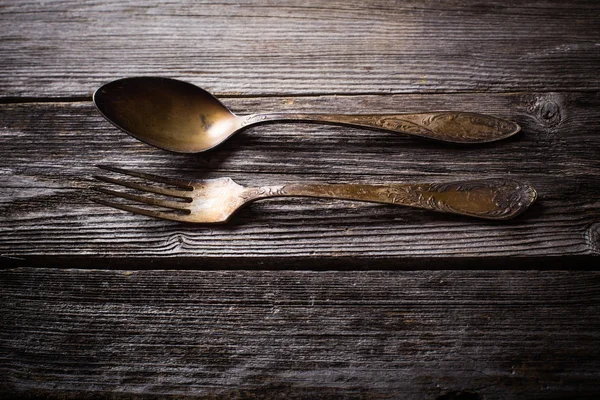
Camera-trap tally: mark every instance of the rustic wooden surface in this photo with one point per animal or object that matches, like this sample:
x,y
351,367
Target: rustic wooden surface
x,y
48,212
302,298
67,48
301,334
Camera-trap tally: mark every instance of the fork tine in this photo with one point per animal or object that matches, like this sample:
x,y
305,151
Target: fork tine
x,y
150,213
175,205
151,177
183,194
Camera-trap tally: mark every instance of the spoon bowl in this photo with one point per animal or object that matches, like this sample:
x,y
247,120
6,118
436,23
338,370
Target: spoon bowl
x,y
166,113
183,118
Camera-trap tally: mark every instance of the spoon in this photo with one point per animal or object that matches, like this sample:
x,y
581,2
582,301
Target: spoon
x,y
181,117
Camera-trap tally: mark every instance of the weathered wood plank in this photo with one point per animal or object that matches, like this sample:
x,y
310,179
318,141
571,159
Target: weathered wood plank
x,y
428,334
49,151
68,47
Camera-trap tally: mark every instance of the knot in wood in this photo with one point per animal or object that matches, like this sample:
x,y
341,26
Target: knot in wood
x,y
549,113
592,238
176,241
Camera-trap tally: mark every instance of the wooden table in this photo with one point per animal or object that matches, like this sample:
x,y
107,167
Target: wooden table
x,y
302,298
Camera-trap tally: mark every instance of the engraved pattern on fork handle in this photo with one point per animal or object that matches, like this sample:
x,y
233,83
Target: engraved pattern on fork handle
x,y
497,199
448,126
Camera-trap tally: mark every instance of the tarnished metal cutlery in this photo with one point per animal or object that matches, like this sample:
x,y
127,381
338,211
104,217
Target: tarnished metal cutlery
x,y
181,117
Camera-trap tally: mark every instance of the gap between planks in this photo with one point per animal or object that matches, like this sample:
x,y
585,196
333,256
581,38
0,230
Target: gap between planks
x,y
86,99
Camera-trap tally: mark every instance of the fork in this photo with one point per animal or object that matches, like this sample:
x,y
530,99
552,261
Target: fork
x,y
216,200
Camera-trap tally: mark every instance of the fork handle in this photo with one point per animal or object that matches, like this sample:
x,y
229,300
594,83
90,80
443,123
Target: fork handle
x,y
497,199
446,126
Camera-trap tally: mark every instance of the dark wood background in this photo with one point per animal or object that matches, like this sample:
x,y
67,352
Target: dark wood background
x,y
302,298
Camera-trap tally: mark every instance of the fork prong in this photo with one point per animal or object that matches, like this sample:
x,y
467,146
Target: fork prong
x,y
184,194
185,184
175,205
143,211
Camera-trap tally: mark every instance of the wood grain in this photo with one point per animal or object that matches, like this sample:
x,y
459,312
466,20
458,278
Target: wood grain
x,y
50,150
69,48
286,334
304,299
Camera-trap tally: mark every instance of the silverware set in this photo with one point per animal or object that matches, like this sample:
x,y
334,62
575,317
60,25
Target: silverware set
x,y
180,117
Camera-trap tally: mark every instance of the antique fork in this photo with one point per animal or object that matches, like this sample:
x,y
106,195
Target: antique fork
x,y
216,200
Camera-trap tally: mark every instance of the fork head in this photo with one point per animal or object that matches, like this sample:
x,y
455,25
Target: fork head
x,y
201,201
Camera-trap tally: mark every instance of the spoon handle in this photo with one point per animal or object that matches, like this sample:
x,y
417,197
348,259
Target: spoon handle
x,y
497,199
447,126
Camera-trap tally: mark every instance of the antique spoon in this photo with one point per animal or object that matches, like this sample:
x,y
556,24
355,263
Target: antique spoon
x,y
181,117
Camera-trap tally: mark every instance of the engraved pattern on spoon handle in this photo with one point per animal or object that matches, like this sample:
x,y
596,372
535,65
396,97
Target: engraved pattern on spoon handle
x,y
497,199
447,126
